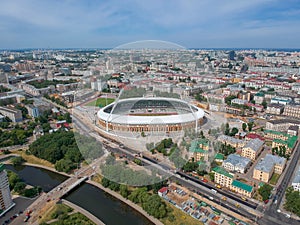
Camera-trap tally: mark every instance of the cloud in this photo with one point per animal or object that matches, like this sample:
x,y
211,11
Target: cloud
x,y
110,23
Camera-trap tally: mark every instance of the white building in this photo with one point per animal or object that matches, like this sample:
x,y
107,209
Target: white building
x,y
236,163
6,202
296,180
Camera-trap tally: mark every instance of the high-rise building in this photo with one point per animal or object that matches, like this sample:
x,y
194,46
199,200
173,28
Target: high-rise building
x,y
6,202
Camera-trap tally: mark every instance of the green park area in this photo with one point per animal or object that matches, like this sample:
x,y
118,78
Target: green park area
x,y
101,102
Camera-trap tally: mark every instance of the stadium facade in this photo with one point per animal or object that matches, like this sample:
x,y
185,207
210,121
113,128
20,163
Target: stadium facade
x,y
150,115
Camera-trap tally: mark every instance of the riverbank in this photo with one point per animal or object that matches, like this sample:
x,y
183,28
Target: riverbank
x,y
128,202
137,208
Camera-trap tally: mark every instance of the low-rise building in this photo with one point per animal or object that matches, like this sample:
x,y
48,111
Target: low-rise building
x,y
234,142
281,100
270,164
33,111
14,114
292,110
272,134
281,124
259,97
200,148
239,101
252,149
222,177
242,188
293,130
235,162
296,180
289,143
274,108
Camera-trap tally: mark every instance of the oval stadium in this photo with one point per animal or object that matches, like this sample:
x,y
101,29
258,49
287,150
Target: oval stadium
x,y
150,115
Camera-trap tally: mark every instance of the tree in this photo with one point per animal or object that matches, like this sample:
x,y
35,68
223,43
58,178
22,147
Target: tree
x,y
124,191
13,178
227,129
234,131
292,202
190,166
143,134
19,187
155,207
105,182
244,126
250,126
264,104
16,161
265,191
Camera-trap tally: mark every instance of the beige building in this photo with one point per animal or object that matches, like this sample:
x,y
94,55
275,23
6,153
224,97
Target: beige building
x,y
234,142
242,188
270,164
289,144
252,149
272,134
292,110
281,124
222,177
200,149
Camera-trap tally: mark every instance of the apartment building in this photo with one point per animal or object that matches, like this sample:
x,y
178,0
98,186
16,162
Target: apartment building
x,y
234,142
281,124
272,134
235,162
6,202
242,188
292,110
14,114
222,177
275,109
289,143
270,164
252,149
200,148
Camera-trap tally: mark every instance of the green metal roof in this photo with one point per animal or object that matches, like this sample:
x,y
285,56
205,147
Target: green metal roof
x,y
260,94
277,133
1,167
290,142
219,156
222,171
242,185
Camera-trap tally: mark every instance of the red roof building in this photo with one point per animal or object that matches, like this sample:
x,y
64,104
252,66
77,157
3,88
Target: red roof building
x,y
253,136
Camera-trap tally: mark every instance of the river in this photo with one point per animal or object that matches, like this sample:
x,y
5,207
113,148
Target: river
x,y
102,205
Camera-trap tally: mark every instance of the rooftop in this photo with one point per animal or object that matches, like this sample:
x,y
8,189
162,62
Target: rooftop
x,y
254,144
267,164
222,171
290,142
242,185
237,160
219,156
277,133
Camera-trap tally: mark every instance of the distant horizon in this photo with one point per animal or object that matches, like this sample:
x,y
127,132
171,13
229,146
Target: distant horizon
x,y
109,48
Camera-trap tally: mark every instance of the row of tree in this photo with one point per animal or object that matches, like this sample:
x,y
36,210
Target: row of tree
x,y
292,202
151,203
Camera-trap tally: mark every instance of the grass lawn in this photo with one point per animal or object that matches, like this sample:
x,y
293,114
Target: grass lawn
x,y
274,178
101,102
54,210
181,218
34,160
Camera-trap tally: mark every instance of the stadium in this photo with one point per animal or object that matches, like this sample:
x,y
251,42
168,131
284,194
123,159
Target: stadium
x,y
150,115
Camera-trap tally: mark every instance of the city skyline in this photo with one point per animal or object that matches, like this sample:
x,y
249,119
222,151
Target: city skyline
x,y
196,24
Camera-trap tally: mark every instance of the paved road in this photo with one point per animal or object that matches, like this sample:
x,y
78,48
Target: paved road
x,y
271,215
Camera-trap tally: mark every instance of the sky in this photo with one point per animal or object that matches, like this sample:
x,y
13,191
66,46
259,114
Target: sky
x,y
188,23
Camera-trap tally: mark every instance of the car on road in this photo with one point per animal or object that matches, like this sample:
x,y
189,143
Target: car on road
x,y
266,201
237,205
224,198
244,199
